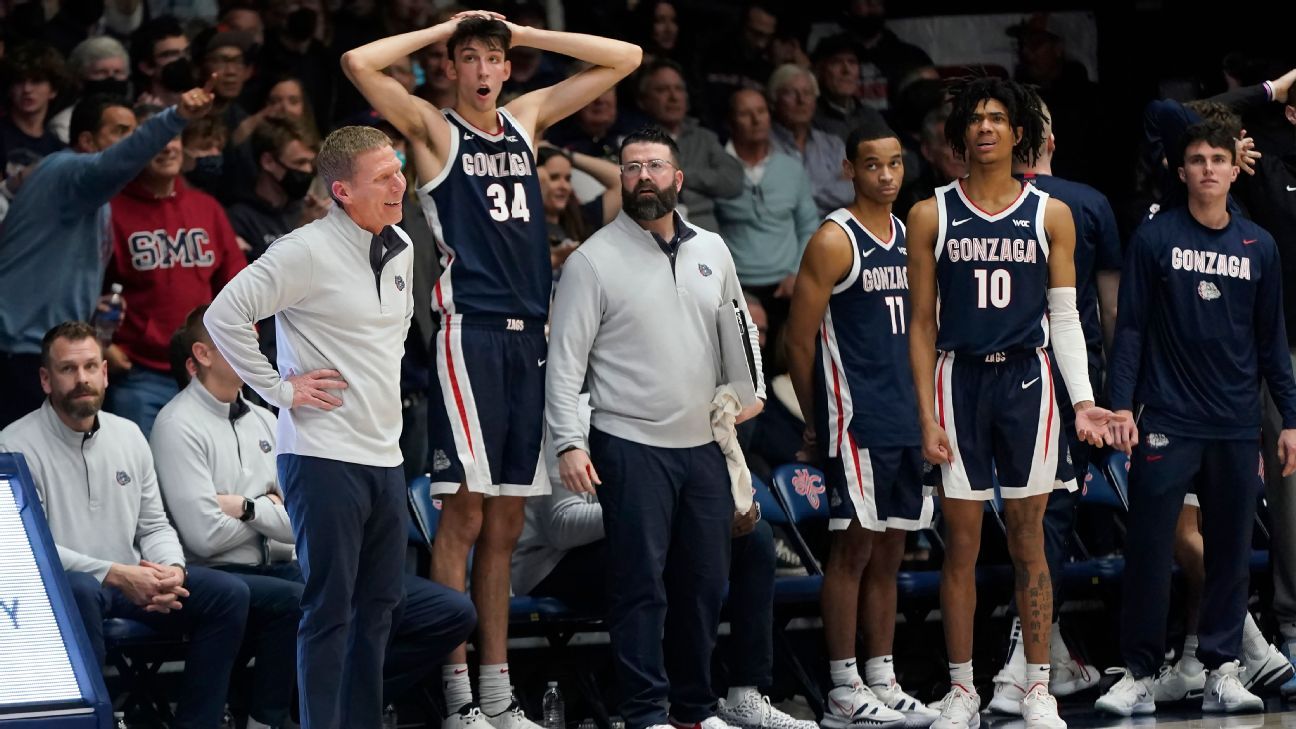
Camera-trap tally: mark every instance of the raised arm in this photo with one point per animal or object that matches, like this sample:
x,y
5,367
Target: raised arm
x,y
922,228
607,174
611,60
827,260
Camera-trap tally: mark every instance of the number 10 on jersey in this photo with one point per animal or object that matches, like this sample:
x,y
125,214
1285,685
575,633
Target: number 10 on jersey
x,y
994,287
501,210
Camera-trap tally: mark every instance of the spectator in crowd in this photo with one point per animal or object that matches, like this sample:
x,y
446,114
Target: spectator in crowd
x,y
531,68
225,57
885,57
34,76
563,551
94,475
75,21
568,220
793,91
655,27
437,88
172,250
203,144
228,509
712,174
292,49
160,50
837,69
1064,85
768,224
280,199
726,69
595,130
53,247
100,66
244,17
941,164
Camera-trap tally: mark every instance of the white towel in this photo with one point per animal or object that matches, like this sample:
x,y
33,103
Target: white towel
x,y
724,410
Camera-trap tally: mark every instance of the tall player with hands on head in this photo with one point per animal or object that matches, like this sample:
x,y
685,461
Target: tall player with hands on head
x,y
476,164
992,280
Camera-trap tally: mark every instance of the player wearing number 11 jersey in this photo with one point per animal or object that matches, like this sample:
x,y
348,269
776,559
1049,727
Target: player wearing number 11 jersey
x,y
992,279
476,165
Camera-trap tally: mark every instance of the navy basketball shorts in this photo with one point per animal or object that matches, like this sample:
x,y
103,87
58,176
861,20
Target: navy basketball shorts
x,y
486,406
881,488
1000,413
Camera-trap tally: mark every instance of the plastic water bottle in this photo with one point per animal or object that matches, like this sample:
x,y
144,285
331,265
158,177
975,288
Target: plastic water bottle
x,y
119,720
554,711
106,322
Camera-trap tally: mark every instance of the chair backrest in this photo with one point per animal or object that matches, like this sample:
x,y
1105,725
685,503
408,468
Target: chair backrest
x,y
1098,490
803,492
771,510
427,510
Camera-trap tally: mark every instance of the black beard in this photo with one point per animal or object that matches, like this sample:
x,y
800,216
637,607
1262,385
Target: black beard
x,y
642,208
78,408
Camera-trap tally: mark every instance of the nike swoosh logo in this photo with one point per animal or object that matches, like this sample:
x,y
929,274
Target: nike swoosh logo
x,y
870,252
540,363
957,223
1249,241
1028,384
1291,189
460,670
850,664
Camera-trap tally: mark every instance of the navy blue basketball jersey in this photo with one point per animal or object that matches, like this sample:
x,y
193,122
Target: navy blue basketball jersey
x,y
991,274
865,388
488,218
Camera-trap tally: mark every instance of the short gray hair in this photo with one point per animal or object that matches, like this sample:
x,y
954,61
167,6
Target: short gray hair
x,y
783,75
93,50
336,160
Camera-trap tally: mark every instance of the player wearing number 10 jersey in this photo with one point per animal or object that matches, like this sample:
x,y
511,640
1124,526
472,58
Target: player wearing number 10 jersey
x,y
476,163
992,279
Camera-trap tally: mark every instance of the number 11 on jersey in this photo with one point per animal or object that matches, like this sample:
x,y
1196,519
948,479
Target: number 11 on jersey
x,y
500,208
895,304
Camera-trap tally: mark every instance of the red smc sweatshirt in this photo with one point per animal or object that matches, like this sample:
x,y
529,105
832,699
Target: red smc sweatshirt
x,y
171,255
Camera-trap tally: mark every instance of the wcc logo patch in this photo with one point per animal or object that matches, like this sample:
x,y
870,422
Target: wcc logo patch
x,y
123,478
704,269
265,445
400,283
808,485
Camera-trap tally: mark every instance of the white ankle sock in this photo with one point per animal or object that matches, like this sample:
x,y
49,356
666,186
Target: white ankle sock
x,y
1037,673
961,674
879,671
494,688
844,672
456,686
1254,645
1017,654
738,694
1188,663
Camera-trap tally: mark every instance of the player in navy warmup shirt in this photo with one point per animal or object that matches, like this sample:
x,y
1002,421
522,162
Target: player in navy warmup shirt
x,y
476,163
1200,324
1097,271
848,356
992,281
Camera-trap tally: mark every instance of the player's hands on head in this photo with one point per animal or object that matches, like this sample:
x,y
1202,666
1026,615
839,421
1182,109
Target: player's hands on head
x,y
466,14
1287,451
312,389
196,103
577,472
936,445
1246,153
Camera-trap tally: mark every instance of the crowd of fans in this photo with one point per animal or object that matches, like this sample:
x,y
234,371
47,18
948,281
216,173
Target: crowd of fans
x,y
170,204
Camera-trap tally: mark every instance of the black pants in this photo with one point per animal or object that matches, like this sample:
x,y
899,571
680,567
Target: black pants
x,y
20,388
667,513
1162,469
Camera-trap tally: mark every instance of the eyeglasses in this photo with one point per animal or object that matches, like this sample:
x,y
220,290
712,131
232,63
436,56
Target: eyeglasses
x,y
654,166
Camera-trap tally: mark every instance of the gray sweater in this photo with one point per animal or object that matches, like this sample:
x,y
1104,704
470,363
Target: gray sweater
x,y
330,313
641,329
201,452
710,174
98,489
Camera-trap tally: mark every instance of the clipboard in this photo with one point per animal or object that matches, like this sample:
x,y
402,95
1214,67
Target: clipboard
x,y
737,365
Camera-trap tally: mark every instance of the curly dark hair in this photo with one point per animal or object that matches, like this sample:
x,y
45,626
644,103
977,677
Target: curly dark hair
x,y
1020,102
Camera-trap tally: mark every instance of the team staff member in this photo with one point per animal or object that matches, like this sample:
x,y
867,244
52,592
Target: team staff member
x,y
216,466
339,289
95,479
1200,324
636,300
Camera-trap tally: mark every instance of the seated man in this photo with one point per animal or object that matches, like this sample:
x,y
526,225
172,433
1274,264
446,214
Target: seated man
x,y
228,508
562,552
95,478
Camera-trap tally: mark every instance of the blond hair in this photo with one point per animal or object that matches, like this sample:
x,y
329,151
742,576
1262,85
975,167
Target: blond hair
x,y
336,160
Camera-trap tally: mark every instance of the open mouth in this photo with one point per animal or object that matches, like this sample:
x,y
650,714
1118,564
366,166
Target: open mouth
x,y
483,91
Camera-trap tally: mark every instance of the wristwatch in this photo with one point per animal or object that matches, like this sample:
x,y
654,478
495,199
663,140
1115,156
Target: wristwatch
x,y
249,510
